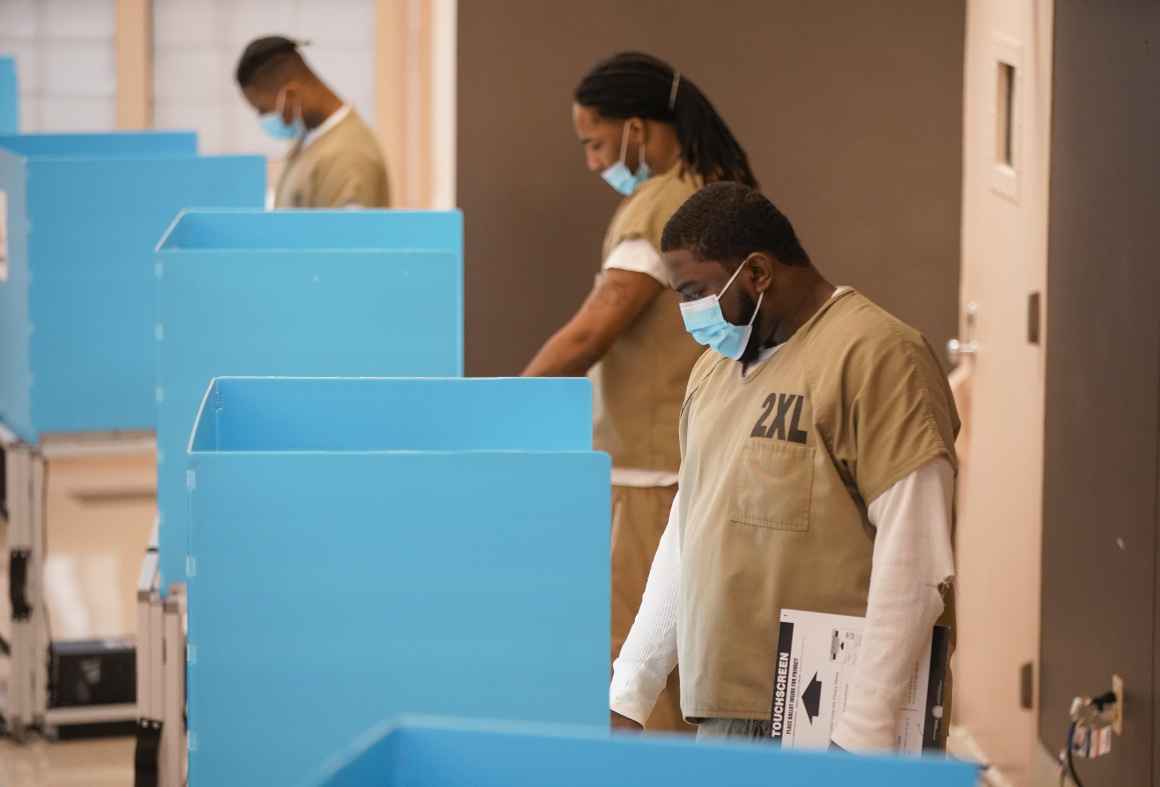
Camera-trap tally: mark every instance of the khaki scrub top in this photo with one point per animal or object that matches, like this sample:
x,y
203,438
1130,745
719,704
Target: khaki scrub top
x,y
342,168
777,469
640,382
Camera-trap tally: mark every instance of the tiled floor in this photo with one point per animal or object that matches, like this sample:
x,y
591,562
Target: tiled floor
x,y
91,763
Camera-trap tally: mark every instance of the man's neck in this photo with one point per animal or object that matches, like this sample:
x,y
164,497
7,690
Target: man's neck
x,y
326,104
816,292
668,153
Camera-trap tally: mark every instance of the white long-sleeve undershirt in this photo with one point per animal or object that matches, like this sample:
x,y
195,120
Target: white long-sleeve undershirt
x,y
912,562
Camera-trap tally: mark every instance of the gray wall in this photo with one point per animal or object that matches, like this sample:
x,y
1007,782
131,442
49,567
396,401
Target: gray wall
x,y
851,113
1103,379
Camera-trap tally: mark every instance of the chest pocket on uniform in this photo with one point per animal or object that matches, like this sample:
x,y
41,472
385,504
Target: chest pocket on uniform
x,y
773,486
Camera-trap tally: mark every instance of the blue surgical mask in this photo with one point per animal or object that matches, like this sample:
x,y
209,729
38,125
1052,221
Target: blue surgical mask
x,y
620,177
708,326
273,124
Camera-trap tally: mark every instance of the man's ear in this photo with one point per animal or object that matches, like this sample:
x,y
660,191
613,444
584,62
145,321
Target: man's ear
x,y
761,268
637,131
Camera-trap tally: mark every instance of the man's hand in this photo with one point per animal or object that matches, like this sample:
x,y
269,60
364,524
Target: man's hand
x,y
623,723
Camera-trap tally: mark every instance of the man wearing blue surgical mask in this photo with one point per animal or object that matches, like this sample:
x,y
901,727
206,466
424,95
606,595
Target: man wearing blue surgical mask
x,y
334,160
817,475
651,134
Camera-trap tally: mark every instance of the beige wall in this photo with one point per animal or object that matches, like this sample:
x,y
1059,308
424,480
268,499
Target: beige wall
x,y
851,112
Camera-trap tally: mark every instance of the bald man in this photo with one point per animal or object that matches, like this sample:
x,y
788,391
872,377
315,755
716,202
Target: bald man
x,y
334,159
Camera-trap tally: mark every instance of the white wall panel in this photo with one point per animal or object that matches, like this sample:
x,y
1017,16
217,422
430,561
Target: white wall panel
x,y
65,60
197,44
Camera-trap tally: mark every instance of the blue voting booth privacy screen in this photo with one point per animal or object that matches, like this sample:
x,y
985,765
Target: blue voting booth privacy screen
x,y
84,212
114,144
9,97
321,293
363,548
447,753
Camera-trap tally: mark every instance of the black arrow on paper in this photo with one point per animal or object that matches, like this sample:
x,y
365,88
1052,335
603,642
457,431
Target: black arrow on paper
x,y
812,698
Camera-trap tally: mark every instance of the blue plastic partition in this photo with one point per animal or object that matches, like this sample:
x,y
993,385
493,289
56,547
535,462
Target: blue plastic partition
x,y
320,293
116,144
425,752
84,212
434,753
9,97
368,547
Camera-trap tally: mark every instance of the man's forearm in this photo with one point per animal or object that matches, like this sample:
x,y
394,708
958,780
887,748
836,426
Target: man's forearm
x,y
569,353
912,561
649,653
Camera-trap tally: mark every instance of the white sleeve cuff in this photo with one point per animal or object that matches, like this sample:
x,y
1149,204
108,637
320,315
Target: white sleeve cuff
x,y
633,692
639,256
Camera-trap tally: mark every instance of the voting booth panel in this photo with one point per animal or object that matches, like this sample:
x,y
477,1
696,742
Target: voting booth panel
x,y
83,214
82,145
321,293
445,753
363,548
9,97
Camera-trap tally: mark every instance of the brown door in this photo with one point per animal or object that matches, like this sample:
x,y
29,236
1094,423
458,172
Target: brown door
x,y
1100,540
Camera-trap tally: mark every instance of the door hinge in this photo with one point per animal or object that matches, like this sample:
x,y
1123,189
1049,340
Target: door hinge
x,y
1033,317
1026,686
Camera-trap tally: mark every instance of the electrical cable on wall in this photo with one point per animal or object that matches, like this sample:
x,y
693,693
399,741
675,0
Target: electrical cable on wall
x,y
1089,715
1068,765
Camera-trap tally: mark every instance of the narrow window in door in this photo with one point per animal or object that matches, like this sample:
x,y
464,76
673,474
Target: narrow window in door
x,y
1005,114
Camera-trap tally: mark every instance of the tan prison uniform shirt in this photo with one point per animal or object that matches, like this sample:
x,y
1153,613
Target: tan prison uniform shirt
x,y
341,168
777,468
640,382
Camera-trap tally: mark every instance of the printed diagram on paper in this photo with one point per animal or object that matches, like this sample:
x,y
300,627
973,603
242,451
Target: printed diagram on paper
x,y
816,655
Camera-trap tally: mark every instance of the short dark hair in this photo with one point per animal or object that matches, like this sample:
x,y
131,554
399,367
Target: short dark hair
x,y
262,53
727,221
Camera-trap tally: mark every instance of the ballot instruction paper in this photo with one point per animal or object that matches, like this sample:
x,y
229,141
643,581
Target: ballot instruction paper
x,y
816,654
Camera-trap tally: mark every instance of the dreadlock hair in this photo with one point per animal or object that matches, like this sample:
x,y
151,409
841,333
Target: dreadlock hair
x,y
634,84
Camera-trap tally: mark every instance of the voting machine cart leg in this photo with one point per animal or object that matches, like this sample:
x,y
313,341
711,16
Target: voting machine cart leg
x,y
24,486
160,759
173,735
150,647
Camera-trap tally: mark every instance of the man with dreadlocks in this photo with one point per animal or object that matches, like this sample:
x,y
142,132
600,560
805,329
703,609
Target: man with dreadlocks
x,y
655,138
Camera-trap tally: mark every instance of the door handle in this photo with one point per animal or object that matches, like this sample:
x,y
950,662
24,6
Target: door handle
x,y
957,349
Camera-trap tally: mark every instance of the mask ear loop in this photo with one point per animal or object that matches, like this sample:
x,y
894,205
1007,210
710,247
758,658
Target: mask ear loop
x,y
280,102
760,295
301,120
729,283
756,309
280,105
624,150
